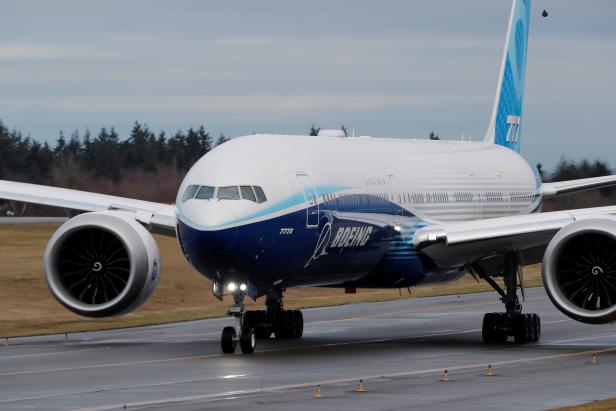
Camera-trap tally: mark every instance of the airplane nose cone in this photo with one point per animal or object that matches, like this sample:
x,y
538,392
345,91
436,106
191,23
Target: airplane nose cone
x,y
207,250
207,234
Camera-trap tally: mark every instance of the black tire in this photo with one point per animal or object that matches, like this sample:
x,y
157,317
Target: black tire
x,y
248,340
281,330
522,328
292,324
263,328
299,324
227,340
537,326
491,329
250,319
289,323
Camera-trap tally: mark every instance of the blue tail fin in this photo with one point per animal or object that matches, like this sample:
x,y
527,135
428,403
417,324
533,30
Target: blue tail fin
x,y
506,122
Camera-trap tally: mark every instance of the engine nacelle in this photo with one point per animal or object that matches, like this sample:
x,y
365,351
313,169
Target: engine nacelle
x,y
579,270
102,264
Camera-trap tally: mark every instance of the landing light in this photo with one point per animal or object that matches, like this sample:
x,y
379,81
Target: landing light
x,y
397,228
242,287
231,287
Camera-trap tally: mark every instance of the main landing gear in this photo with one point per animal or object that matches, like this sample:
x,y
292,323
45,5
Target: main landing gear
x,y
260,324
497,327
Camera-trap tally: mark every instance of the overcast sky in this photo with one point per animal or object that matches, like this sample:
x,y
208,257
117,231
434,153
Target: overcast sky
x,y
385,68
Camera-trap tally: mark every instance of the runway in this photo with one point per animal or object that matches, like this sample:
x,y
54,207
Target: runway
x,y
400,349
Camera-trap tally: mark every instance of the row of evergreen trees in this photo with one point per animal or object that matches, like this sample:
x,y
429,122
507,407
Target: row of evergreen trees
x,y
104,155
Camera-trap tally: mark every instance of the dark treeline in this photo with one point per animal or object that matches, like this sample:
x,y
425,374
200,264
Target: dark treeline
x,y
571,170
150,166
105,153
143,164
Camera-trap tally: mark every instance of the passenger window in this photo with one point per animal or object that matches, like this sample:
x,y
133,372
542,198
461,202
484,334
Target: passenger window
x,y
205,193
260,194
247,193
189,193
228,193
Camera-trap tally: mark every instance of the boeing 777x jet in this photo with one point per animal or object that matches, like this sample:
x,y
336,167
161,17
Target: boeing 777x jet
x,y
263,213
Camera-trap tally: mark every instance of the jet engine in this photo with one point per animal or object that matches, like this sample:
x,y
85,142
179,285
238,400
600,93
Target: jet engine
x,y
579,270
102,264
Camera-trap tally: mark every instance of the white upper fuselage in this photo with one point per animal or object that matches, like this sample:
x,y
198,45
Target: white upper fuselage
x,y
433,180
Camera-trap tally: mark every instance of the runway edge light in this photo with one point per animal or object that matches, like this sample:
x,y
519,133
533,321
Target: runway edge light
x,y
490,372
594,358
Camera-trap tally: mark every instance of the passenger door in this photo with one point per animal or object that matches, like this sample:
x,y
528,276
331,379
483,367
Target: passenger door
x,y
310,195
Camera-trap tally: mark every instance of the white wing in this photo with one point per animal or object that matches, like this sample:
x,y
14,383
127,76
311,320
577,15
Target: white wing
x,y
455,244
159,217
572,186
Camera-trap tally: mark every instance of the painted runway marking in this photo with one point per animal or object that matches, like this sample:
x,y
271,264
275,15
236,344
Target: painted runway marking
x,y
234,376
42,354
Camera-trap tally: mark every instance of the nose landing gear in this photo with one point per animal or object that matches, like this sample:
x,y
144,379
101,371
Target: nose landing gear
x,y
260,324
242,331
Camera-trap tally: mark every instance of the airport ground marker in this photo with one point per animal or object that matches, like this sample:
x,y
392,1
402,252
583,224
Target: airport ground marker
x,y
360,387
318,391
445,377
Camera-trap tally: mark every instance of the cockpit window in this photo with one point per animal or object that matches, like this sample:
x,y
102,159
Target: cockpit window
x,y
247,193
250,193
228,193
205,193
260,194
189,193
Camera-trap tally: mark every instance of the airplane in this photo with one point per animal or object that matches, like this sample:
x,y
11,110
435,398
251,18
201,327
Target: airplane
x,y
264,213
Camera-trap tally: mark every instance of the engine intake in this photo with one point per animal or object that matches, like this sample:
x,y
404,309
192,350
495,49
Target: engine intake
x,y
579,270
102,264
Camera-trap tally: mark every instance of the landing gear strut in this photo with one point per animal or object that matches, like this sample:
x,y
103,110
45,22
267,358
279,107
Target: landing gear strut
x,y
251,325
497,327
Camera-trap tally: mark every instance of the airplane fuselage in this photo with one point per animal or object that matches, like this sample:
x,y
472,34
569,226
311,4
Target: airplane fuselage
x,y
340,211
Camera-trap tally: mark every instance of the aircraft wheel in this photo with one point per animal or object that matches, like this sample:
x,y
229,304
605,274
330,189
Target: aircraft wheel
x,y
299,324
248,340
492,328
227,340
527,328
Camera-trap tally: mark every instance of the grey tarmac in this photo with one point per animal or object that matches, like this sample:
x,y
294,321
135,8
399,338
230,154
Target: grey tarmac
x,y
399,348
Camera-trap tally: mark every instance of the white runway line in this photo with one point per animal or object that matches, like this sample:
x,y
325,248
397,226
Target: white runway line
x,y
43,354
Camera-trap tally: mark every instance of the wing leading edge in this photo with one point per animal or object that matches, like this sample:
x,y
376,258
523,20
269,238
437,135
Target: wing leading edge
x,y
159,217
572,186
455,244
